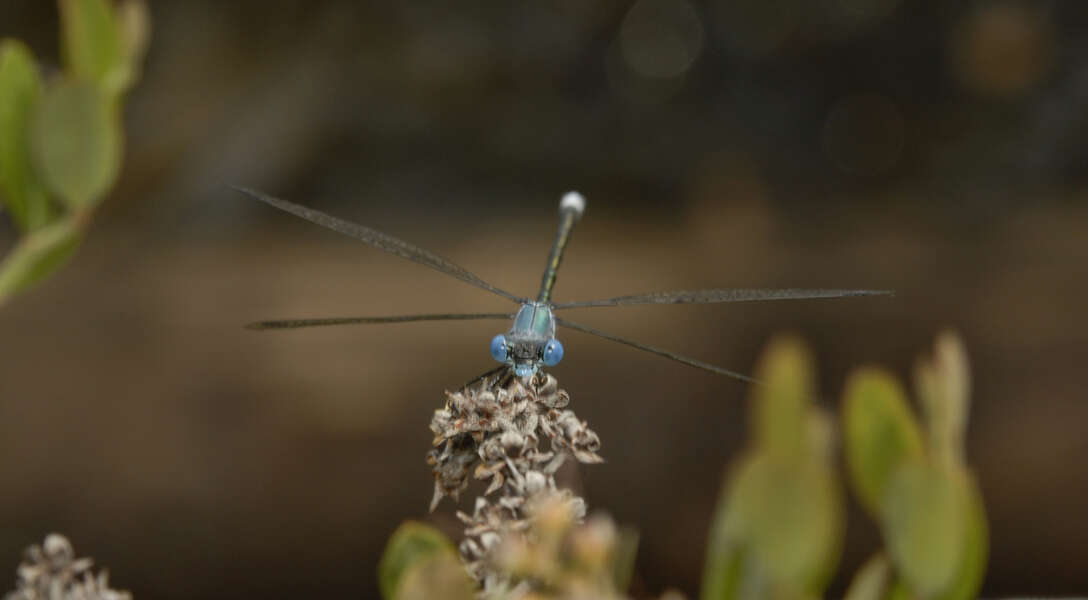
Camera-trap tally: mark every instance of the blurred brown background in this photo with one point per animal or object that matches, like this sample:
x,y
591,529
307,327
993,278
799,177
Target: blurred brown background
x,y
932,147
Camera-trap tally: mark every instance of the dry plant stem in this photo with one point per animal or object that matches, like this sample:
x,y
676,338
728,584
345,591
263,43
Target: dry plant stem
x,y
52,572
494,430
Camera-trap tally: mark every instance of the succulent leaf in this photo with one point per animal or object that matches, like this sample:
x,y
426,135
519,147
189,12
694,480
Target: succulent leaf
x,y
794,514
75,139
412,544
972,568
723,567
880,433
944,386
93,47
622,565
38,254
779,405
436,576
20,89
925,525
871,580
778,529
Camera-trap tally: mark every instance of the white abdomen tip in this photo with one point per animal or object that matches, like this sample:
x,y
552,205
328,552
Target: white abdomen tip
x,y
573,201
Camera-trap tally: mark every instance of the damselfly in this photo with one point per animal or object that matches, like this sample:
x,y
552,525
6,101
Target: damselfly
x,y
530,343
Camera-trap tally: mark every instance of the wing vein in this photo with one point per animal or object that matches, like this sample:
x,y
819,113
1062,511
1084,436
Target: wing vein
x,y
379,240
658,351
730,295
300,323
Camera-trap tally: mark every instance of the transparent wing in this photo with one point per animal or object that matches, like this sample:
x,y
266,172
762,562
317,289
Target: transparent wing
x,y
299,323
710,296
658,351
380,241
484,377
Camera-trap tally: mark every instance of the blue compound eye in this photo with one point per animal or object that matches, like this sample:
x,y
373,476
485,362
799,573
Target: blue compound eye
x,y
553,353
498,348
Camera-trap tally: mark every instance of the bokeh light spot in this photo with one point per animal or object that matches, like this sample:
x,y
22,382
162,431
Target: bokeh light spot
x,y
1003,49
864,134
661,38
852,16
755,27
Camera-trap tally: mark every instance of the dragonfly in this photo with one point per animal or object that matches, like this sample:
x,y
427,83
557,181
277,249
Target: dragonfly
x,y
530,344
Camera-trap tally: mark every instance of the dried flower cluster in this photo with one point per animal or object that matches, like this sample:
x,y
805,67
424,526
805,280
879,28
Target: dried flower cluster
x,y
559,558
52,572
553,557
494,431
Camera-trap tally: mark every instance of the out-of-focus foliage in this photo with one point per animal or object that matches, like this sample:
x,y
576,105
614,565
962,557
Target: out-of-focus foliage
x,y
76,142
871,580
881,430
778,528
61,140
418,558
39,254
20,89
92,43
441,576
561,559
921,493
557,558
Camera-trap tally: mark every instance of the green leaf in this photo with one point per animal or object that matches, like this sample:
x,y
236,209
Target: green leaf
x,y
777,530
788,513
622,564
780,405
968,579
135,28
925,525
435,576
944,387
725,556
900,591
724,562
38,254
75,139
795,522
20,89
413,543
93,47
871,580
880,433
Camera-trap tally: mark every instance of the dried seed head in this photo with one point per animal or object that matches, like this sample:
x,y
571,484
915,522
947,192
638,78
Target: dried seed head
x,y
535,482
555,558
58,549
494,431
51,572
592,545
